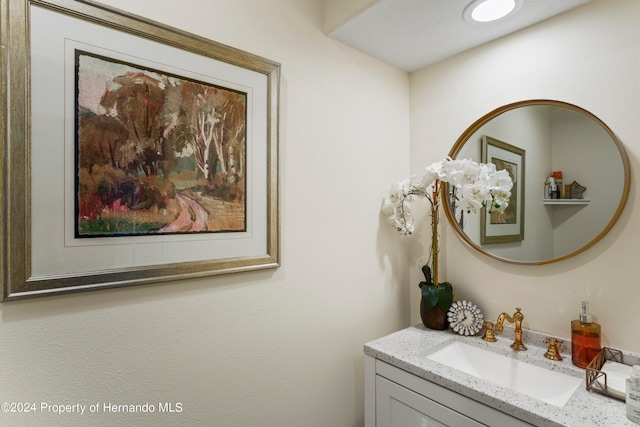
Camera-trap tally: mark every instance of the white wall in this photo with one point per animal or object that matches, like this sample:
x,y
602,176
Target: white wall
x,y
587,57
271,348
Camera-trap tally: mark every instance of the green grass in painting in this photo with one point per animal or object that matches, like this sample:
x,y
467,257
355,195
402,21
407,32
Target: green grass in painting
x,y
113,226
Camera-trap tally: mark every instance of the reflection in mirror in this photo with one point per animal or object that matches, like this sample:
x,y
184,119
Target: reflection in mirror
x,y
555,136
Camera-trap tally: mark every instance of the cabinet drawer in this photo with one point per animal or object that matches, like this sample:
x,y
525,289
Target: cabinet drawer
x,y
397,406
472,410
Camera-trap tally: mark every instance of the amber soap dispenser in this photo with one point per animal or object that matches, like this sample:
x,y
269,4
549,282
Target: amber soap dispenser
x,y
585,338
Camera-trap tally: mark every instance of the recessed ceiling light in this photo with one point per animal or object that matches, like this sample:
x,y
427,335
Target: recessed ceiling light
x,y
486,11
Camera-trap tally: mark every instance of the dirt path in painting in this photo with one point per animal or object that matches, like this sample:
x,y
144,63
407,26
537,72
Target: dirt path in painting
x,y
193,217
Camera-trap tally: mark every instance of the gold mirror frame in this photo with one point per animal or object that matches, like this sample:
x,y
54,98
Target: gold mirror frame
x,y
462,140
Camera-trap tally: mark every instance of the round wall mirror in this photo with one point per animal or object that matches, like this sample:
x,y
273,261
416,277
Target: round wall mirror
x,y
535,140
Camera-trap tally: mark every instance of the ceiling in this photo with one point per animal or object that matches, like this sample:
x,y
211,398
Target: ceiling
x,y
412,34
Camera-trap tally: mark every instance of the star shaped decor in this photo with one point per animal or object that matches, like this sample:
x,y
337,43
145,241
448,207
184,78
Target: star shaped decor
x,y
577,190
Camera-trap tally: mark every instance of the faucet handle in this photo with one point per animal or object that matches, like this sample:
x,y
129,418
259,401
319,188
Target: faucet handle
x,y
554,345
488,333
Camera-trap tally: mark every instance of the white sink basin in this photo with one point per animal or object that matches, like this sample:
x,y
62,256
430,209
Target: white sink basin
x,y
549,386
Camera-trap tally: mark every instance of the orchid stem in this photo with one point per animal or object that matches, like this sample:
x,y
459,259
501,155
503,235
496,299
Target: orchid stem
x,y
434,231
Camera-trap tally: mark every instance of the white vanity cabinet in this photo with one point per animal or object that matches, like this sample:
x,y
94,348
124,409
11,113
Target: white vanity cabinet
x,y
404,387
397,398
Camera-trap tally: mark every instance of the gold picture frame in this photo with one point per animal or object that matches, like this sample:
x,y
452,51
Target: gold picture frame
x,y
507,226
40,253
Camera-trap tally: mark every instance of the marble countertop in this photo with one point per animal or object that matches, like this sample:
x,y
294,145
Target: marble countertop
x,y
408,348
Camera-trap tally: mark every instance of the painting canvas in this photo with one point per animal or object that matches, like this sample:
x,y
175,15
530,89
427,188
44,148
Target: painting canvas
x,y
510,214
506,226
156,153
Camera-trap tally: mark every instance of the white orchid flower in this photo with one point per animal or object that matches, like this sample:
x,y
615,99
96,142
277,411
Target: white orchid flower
x,y
477,184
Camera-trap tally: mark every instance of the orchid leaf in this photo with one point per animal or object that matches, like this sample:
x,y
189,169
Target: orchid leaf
x,y
441,295
427,275
430,295
445,296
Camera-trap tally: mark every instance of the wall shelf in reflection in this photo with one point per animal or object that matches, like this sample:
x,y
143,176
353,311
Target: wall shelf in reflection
x,y
566,201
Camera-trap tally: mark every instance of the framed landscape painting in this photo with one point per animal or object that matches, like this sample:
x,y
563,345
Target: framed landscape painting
x,y
141,154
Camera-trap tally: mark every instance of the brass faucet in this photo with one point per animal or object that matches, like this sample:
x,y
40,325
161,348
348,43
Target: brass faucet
x,y
517,318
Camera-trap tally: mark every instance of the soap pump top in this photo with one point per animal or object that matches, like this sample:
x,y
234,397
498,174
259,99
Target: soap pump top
x,y
584,316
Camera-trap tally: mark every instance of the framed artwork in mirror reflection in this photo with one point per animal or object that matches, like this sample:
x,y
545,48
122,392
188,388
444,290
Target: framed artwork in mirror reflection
x,y
507,226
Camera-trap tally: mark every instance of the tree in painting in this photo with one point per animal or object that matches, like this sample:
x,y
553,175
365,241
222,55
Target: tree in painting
x,y
156,153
